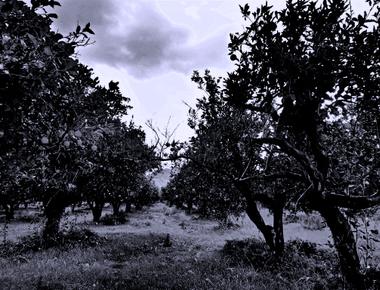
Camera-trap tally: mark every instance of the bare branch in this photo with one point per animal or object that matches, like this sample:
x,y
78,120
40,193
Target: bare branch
x,y
303,195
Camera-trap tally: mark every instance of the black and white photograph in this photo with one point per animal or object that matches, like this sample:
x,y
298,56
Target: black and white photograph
x,y
190,144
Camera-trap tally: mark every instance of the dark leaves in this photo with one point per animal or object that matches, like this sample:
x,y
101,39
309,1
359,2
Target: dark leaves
x,y
88,29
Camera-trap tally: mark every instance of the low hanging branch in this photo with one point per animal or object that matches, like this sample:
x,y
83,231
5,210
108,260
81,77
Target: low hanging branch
x,y
353,202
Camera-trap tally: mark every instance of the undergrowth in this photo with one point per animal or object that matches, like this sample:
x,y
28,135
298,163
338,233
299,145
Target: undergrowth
x,y
65,240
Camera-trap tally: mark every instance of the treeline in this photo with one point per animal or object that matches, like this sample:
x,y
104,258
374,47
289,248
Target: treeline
x,y
62,139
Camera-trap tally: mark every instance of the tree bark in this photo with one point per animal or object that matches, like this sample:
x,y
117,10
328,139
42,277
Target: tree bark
x,y
53,211
345,245
116,208
255,216
9,212
127,208
278,227
97,209
189,208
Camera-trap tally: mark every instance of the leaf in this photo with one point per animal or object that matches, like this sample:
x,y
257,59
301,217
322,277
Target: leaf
x,y
47,51
54,3
88,29
32,39
245,10
233,57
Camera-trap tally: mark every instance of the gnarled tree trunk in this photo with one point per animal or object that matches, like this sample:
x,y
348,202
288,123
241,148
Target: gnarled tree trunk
x,y
274,236
345,245
255,216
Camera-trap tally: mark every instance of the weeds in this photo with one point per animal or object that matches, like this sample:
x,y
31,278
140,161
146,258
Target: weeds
x,y
66,240
301,262
143,262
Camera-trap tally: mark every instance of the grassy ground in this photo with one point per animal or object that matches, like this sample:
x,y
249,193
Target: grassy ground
x,y
134,256
144,262
160,219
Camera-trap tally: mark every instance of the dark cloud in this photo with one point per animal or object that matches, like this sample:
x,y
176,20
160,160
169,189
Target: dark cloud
x,y
135,36
98,12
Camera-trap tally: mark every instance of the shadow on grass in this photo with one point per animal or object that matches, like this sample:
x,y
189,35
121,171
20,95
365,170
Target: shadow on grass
x,y
151,262
65,241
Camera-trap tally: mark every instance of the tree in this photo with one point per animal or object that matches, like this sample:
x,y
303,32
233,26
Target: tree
x,y
307,69
117,171
51,106
229,173
203,192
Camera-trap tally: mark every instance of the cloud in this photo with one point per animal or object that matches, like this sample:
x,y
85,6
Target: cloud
x,y
137,37
72,12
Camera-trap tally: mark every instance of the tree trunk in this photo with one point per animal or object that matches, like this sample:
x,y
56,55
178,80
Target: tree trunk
x,y
116,208
278,230
97,211
53,211
189,206
255,216
127,207
345,245
9,212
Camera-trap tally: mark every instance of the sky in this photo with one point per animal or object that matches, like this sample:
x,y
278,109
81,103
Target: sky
x,y
152,47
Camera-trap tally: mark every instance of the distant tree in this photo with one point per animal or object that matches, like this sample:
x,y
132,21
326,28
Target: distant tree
x,y
312,71
201,192
144,194
117,172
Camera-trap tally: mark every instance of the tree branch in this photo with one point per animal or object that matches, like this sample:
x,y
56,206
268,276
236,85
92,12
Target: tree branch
x,y
300,156
288,175
353,202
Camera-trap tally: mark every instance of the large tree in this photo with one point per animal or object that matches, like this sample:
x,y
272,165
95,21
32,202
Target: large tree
x,y
228,172
51,108
309,69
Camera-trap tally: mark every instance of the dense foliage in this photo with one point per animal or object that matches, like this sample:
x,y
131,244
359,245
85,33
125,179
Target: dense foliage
x,y
306,78
59,127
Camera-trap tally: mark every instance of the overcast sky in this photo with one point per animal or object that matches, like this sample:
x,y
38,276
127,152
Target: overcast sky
x,y
152,47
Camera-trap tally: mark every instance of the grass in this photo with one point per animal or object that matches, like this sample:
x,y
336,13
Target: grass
x,y
144,262
67,239
309,221
134,256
